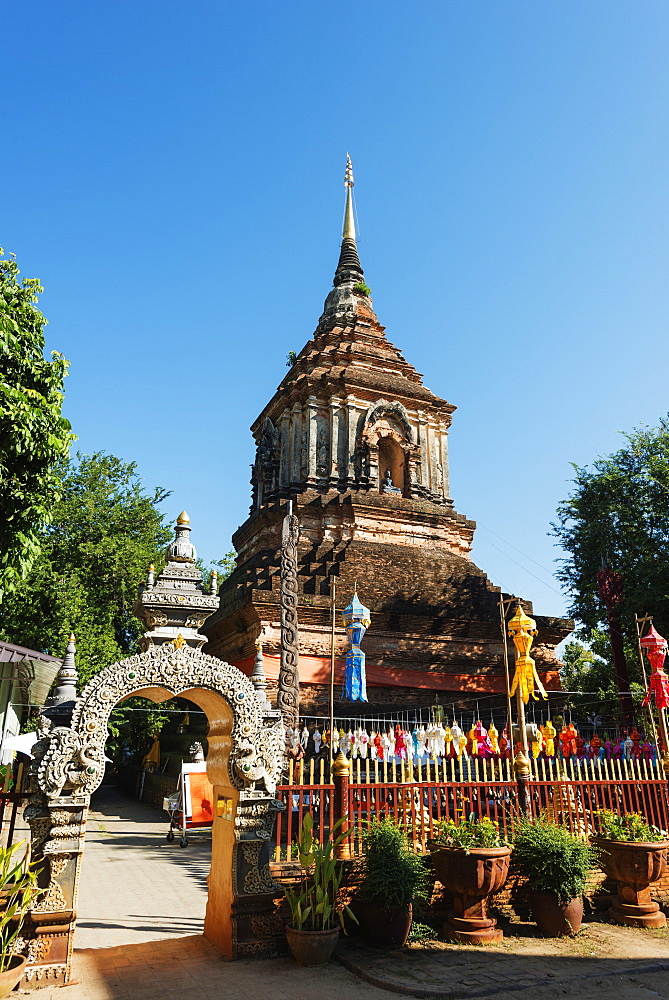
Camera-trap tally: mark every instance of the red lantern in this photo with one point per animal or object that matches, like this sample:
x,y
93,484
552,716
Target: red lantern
x,y
655,648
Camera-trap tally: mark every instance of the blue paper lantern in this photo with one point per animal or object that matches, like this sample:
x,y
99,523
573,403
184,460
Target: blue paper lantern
x,y
356,621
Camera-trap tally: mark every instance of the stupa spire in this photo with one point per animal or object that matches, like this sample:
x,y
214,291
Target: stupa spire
x,y
349,221
349,269
66,681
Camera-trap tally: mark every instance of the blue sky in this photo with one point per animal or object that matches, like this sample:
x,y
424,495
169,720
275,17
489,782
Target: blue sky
x,y
173,175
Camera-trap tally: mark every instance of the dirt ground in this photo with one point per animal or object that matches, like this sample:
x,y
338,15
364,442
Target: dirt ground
x,y
596,939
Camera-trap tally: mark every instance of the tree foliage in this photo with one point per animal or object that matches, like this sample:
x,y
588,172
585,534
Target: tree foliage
x,y
34,437
104,532
618,514
589,673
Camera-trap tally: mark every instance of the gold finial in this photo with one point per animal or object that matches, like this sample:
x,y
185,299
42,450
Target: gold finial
x,y
71,639
179,641
349,223
348,176
151,568
183,518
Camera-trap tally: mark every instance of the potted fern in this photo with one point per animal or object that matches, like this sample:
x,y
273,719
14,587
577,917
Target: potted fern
x,y
634,853
392,877
471,860
316,915
18,890
555,865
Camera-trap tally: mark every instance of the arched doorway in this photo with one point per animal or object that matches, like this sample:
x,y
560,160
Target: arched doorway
x,y
246,747
389,443
391,460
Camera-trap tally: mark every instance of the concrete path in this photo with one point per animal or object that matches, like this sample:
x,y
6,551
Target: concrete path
x,y
142,905
135,886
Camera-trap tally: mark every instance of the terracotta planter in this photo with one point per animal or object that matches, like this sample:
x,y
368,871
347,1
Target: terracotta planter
x,y
381,928
472,878
11,976
312,948
555,919
634,867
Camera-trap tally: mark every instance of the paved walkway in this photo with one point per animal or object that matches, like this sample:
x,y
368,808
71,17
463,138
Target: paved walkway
x,y
142,904
521,965
135,886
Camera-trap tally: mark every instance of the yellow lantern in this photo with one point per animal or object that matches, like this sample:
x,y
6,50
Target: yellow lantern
x,y
522,630
550,732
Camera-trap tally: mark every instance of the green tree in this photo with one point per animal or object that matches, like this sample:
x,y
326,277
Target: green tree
x,y
591,676
618,515
104,532
34,437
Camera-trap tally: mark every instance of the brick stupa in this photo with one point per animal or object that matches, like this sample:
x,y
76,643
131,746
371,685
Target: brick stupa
x,y
360,445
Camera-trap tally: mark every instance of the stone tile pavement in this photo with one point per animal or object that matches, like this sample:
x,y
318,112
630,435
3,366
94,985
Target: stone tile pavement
x,y
135,886
142,904
176,968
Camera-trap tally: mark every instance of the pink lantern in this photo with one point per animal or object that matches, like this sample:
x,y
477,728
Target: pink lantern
x,y
655,648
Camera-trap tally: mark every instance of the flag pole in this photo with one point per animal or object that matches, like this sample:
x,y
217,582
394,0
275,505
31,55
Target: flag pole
x,y
333,594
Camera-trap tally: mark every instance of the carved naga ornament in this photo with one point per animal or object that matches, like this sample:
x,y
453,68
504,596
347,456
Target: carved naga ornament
x,y
288,695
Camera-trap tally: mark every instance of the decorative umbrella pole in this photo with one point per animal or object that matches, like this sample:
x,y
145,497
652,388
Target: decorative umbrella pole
x,y
655,647
640,625
356,621
522,630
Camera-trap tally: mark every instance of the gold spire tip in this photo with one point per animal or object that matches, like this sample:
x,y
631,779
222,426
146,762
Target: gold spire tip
x,y
151,567
348,176
183,518
71,639
348,231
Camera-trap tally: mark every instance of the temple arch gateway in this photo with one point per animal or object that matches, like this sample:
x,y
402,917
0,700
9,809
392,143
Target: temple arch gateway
x,y
246,751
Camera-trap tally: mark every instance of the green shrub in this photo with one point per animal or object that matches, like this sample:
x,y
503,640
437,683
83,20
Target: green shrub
x,y
391,873
471,832
551,859
361,288
422,932
18,885
631,827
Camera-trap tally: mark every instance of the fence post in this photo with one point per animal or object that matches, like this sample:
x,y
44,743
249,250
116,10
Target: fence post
x,y
340,771
521,767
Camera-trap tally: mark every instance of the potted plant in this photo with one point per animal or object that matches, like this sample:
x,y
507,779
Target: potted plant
x,y
471,860
555,865
391,877
314,907
634,853
18,889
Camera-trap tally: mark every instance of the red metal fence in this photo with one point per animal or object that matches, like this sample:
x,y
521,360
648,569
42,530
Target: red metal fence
x,y
418,807
571,793
10,803
298,799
